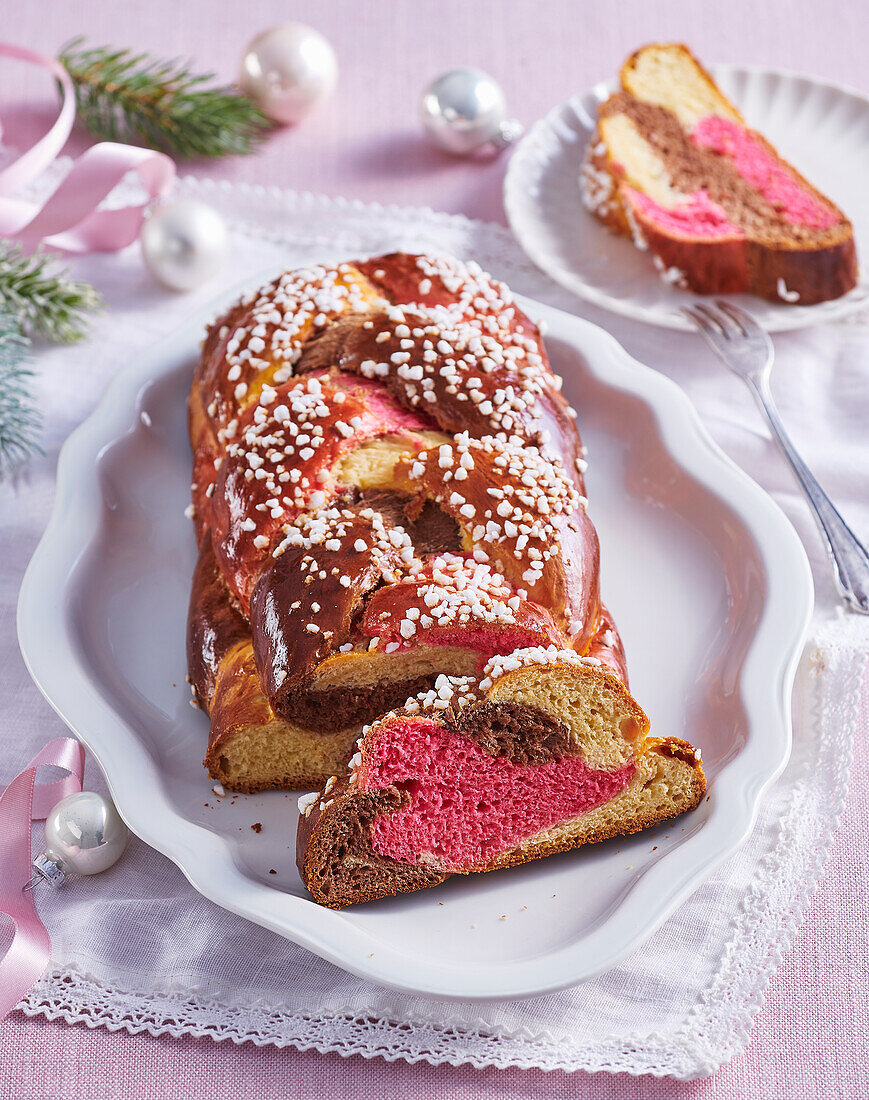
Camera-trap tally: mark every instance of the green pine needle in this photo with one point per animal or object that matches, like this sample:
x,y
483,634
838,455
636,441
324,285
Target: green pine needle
x,y
19,420
130,97
45,302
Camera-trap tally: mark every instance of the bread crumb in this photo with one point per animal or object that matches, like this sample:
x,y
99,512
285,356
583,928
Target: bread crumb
x,y
272,871
257,826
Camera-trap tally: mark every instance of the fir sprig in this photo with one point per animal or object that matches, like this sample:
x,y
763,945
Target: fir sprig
x,y
133,98
19,419
44,301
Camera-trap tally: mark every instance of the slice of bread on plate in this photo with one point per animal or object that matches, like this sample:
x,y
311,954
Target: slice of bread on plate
x,y
673,164
548,751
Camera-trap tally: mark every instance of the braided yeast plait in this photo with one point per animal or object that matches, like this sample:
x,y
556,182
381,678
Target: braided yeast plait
x,y
387,487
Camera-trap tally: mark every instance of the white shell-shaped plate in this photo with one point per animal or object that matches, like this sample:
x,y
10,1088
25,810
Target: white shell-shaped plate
x,y
705,576
823,130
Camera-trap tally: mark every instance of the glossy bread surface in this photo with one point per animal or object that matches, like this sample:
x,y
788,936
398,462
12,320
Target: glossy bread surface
x,y
358,427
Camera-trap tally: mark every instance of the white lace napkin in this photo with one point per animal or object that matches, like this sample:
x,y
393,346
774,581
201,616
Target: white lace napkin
x,y
139,949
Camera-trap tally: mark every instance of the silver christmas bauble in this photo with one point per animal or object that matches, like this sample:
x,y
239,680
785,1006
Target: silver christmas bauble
x,y
183,243
83,833
288,71
464,110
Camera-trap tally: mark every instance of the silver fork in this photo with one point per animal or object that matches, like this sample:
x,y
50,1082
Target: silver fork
x,y
747,349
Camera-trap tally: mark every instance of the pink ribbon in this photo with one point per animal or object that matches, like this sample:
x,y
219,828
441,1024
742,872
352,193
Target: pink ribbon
x,y
69,219
21,804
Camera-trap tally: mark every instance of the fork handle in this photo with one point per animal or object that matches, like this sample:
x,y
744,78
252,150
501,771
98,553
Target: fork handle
x,y
849,556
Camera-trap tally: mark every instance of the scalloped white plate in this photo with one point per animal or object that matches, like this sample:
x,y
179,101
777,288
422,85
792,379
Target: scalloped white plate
x,y
706,578
822,129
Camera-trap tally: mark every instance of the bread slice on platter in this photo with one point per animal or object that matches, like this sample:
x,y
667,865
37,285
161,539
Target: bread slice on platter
x,y
673,164
544,753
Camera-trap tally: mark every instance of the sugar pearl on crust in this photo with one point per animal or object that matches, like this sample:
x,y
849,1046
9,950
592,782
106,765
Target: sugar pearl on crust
x,y
498,665
527,518
457,591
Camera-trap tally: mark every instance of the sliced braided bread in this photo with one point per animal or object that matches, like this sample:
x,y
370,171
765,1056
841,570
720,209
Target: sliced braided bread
x,y
388,492
387,487
545,753
389,502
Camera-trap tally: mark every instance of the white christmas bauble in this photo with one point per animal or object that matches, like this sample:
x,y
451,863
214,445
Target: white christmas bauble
x,y
288,70
183,243
464,110
84,833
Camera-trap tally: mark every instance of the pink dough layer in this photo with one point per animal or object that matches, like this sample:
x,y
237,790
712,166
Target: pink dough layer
x,y
695,216
377,414
383,414
762,171
468,806
487,641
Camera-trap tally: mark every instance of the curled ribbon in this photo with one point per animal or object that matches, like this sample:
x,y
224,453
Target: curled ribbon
x,y
69,219
21,804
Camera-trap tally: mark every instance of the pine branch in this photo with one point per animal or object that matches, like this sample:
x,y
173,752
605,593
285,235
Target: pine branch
x,y
34,300
133,98
19,419
44,303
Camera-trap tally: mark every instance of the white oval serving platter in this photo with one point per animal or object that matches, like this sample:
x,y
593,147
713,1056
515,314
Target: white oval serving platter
x,y
706,578
822,129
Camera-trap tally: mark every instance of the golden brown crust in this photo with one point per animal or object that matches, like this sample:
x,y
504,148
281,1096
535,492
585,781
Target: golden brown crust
x,y
287,652
804,276
606,646
250,748
568,581
214,626
206,454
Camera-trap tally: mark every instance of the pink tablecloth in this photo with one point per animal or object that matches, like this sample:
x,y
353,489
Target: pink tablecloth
x,y
810,1038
